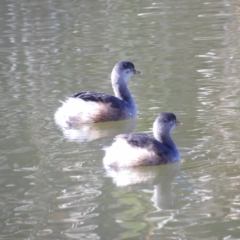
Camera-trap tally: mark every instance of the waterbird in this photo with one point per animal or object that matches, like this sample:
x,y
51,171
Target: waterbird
x,y
92,107
138,149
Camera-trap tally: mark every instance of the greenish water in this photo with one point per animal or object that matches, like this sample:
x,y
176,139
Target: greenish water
x,y
52,182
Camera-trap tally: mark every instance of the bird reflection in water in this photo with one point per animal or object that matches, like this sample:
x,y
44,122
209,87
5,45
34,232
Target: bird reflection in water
x,y
159,178
93,131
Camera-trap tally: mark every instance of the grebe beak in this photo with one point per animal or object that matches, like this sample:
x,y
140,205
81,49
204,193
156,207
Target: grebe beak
x,y
178,123
136,72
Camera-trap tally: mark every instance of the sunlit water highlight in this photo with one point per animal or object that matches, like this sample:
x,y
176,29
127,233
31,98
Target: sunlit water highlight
x,y
53,184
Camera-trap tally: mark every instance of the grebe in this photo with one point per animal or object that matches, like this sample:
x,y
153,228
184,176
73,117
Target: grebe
x,y
92,107
137,149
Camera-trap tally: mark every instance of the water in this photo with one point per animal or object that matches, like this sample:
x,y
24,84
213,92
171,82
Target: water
x,y
53,184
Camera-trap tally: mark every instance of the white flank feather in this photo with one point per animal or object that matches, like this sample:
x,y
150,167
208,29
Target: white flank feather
x,y
121,154
76,108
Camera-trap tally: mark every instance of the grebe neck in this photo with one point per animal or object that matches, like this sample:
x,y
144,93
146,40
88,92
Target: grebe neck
x,y
165,138
120,89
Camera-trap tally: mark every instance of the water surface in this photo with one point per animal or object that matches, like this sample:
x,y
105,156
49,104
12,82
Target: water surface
x,y
53,184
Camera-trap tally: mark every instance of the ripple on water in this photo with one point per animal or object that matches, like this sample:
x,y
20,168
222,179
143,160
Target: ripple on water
x,y
54,186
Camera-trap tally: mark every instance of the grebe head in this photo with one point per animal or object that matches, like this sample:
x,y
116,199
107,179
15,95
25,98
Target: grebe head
x,y
124,69
164,123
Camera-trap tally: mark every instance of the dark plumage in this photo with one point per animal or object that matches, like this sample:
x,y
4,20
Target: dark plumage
x,y
137,149
99,97
91,106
